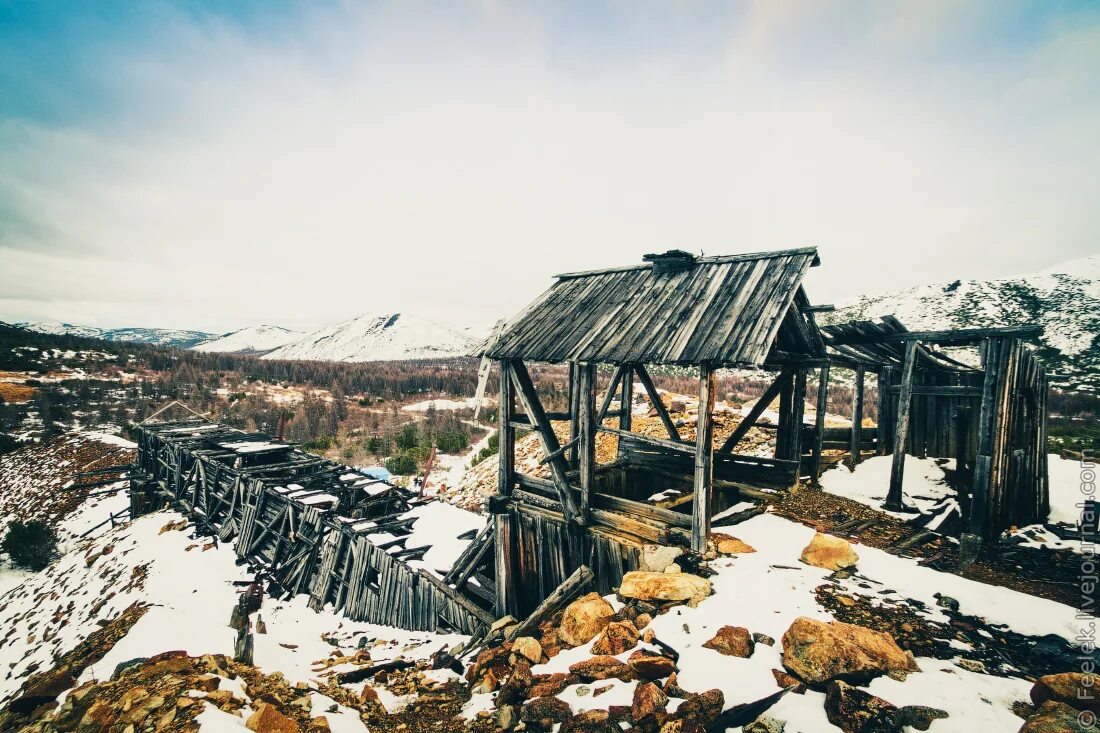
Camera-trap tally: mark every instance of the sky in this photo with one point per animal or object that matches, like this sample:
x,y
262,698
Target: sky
x,y
213,165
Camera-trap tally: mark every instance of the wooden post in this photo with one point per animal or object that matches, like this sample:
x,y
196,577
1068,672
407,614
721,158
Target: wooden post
x,y
987,418
905,396
586,433
574,413
505,596
883,418
792,407
781,381
655,398
704,468
857,416
626,403
819,418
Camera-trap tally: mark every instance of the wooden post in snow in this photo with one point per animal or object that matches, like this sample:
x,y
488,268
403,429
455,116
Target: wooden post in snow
x,y
703,484
857,417
905,397
819,418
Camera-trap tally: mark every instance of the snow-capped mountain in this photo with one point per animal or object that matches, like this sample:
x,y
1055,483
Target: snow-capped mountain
x,y
378,337
251,340
1064,299
158,336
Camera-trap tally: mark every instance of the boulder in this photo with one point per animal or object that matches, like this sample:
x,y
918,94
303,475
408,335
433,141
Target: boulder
x,y
682,725
514,689
267,719
818,652
547,708
856,711
1069,688
602,668
656,558
649,586
830,553
785,680
920,717
590,721
648,699
702,708
584,618
642,620
650,665
733,641
550,684
529,648
616,638
1055,717
729,545
765,724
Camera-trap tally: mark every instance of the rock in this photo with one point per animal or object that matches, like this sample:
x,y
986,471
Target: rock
x,y
733,641
649,586
493,659
98,717
602,668
590,721
642,620
656,558
1056,717
267,719
672,688
1076,689
319,724
763,639
702,708
529,648
507,717
682,725
42,692
650,665
547,708
920,717
128,664
785,680
947,602
855,711
584,618
972,665
830,553
648,699
764,724
672,568
514,689
549,684
818,652
500,625
616,638
727,545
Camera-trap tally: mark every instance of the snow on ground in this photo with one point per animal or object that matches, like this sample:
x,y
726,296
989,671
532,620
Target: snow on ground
x,y
782,589
1070,479
189,585
924,486
441,404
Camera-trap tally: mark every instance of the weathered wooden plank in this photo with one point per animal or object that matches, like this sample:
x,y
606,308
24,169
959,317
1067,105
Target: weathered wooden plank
x,y
897,468
703,484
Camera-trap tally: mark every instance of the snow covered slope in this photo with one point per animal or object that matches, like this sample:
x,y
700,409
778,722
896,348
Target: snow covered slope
x,y
378,337
1064,299
158,336
251,340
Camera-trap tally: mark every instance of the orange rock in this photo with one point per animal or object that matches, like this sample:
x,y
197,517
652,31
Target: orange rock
x,y
267,719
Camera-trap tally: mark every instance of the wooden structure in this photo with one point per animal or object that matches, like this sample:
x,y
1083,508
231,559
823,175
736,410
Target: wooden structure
x,y
990,416
343,537
673,309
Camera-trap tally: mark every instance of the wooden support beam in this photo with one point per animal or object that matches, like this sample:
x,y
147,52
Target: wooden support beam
x,y
655,442
626,403
940,390
502,529
658,405
956,336
883,420
703,485
610,395
757,410
897,468
525,390
792,403
564,594
857,417
819,418
574,411
987,427
586,434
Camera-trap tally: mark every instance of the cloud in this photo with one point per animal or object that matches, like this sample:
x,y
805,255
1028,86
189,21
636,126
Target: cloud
x,y
448,161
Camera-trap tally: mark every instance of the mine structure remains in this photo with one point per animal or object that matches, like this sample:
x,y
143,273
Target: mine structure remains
x,y
741,311
309,525
346,538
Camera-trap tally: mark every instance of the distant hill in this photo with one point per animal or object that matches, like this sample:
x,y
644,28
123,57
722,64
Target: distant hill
x,y
157,336
378,337
251,340
1064,299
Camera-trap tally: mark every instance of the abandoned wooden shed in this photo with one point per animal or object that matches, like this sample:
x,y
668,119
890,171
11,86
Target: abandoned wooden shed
x,y
673,309
988,414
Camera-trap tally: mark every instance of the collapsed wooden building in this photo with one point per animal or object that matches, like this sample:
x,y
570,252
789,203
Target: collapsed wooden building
x,y
709,313
312,526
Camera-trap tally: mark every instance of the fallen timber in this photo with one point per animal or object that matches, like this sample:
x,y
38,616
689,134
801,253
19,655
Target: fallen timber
x,y
339,535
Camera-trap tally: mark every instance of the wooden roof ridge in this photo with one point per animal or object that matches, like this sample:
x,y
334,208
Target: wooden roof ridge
x,y
699,260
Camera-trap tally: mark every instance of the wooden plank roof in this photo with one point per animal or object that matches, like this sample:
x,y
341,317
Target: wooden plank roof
x,y
674,309
881,343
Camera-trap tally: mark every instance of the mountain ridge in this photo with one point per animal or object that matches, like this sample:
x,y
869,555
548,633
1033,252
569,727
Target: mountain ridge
x,y
378,336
